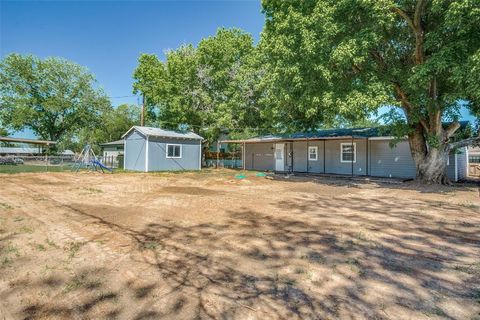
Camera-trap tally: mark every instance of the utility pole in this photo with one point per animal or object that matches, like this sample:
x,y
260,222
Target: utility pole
x,y
142,111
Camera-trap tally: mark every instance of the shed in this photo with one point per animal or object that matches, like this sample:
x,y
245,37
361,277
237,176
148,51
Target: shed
x,y
112,149
154,149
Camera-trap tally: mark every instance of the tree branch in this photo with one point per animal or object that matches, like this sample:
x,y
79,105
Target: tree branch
x,y
405,16
465,142
419,10
452,127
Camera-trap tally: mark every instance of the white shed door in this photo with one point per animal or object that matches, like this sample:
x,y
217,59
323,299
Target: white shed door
x,y
279,156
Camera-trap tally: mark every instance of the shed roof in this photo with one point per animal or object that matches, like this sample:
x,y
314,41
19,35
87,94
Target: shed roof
x,y
157,132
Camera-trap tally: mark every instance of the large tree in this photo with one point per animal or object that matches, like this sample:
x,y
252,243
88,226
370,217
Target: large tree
x,y
109,126
53,97
345,58
210,87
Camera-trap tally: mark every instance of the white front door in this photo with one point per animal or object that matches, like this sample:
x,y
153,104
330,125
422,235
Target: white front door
x,y
279,154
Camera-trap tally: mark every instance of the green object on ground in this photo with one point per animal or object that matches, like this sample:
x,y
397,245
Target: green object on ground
x,y
240,176
261,174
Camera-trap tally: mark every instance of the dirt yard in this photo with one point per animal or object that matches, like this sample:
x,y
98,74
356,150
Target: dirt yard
x,y
208,246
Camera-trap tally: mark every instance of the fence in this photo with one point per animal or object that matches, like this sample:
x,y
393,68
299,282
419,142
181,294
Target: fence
x,y
43,163
223,160
39,163
474,169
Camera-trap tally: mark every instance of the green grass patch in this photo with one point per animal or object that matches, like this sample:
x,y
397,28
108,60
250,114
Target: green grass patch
x,y
51,243
6,261
21,168
5,206
26,229
72,248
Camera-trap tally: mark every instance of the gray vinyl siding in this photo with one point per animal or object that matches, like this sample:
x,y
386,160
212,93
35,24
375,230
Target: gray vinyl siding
x,y
462,162
333,162
157,154
135,146
316,166
451,166
383,160
259,156
394,162
300,156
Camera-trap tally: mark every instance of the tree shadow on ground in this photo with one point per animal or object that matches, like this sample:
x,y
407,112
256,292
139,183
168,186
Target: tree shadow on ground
x,y
361,181
307,258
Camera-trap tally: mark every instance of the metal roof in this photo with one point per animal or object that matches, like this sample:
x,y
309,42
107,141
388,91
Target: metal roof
x,y
20,150
113,143
339,133
30,141
342,133
157,132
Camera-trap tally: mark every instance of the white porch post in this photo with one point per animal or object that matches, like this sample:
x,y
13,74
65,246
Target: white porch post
x,y
243,156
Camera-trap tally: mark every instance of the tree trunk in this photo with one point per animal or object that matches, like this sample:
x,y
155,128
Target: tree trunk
x,y
432,169
430,163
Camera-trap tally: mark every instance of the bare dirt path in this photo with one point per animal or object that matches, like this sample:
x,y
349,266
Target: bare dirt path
x,y
206,245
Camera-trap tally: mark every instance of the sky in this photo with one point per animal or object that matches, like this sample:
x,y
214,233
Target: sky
x,y
107,37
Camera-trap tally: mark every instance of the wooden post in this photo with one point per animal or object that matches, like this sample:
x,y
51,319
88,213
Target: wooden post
x,y
142,111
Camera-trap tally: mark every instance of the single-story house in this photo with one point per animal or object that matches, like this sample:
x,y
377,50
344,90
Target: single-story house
x,y
112,149
358,151
154,149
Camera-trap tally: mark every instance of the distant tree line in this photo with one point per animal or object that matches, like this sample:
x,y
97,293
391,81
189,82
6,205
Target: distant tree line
x,y
318,64
58,100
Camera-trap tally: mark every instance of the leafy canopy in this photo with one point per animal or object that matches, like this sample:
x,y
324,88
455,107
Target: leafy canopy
x,y
346,58
210,87
53,97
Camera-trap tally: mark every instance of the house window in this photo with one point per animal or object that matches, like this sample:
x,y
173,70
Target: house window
x,y
348,152
174,150
313,153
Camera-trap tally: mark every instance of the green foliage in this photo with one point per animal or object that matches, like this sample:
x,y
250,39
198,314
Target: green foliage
x,y
109,126
210,88
52,97
330,58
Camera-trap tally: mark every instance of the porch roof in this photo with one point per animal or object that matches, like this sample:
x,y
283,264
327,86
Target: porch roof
x,y
327,134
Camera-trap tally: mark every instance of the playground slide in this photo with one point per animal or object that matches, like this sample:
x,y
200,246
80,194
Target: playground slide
x,y
98,163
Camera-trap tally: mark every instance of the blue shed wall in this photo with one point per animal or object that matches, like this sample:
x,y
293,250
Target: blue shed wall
x,y
157,154
135,147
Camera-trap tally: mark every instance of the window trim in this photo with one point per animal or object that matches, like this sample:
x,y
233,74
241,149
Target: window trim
x,y
173,144
354,144
316,153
